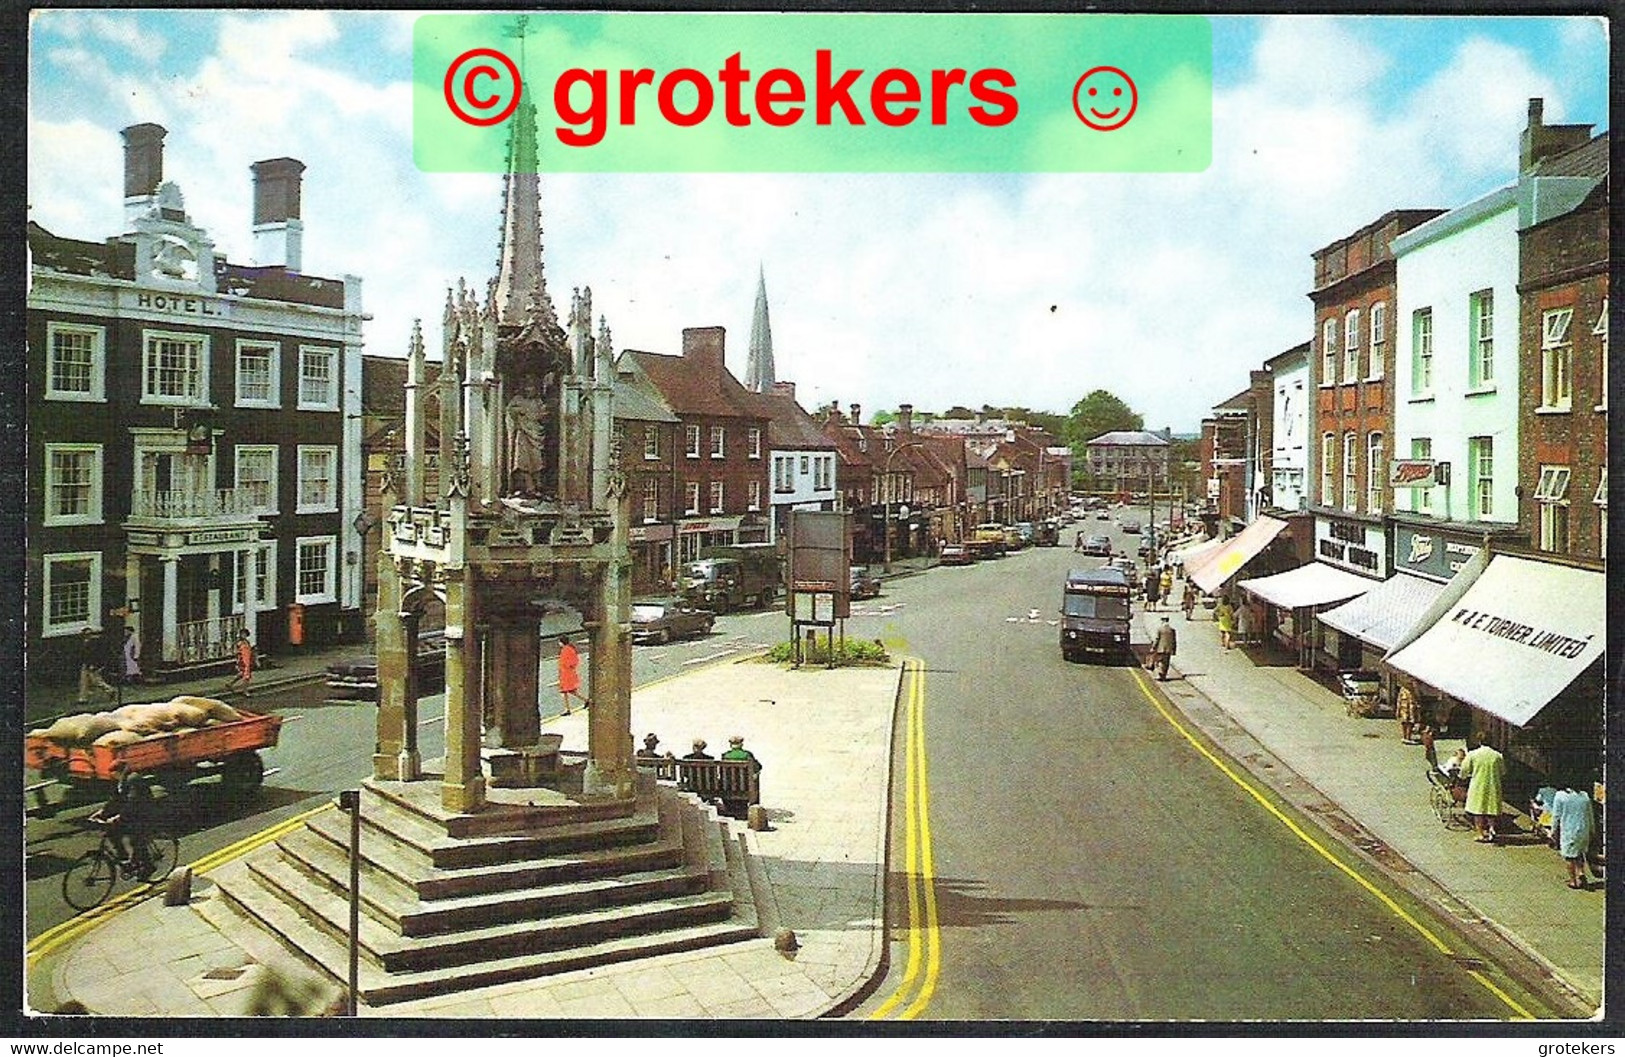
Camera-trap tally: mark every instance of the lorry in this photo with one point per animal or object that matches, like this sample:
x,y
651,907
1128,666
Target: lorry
x,y
732,577
1095,613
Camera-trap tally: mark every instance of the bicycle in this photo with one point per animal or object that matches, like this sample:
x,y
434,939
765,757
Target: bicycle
x,y
90,880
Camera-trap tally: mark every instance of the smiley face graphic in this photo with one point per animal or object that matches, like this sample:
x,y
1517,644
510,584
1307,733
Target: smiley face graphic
x,y
1105,98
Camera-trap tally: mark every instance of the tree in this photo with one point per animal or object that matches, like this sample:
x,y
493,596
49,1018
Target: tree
x,y
1099,412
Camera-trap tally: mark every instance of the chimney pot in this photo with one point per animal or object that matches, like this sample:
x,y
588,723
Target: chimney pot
x,y
857,414
905,418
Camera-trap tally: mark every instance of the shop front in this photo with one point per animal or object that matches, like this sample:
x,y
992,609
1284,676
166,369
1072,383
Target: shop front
x,y
1360,632
696,534
1519,642
1283,608
651,547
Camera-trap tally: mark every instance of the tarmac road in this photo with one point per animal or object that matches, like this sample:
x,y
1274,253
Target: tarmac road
x,y
1091,864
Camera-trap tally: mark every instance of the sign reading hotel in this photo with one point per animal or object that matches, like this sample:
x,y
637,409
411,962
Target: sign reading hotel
x,y
173,304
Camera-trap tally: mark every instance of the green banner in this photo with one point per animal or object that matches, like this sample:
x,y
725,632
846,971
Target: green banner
x,y
675,92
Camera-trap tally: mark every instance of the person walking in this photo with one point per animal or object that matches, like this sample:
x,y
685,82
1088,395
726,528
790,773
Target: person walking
x,y
1163,646
1188,601
1167,582
245,664
1572,822
132,657
570,674
1153,587
1224,615
1483,768
1408,710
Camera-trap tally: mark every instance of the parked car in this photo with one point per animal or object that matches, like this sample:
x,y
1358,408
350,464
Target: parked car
x,y
956,554
1131,526
1131,570
862,585
1013,539
1099,545
358,676
1103,515
665,619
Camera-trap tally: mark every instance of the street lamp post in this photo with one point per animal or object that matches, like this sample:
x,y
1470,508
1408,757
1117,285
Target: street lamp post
x,y
886,483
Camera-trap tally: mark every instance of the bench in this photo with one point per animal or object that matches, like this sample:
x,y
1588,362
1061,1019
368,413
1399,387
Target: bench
x,y
737,783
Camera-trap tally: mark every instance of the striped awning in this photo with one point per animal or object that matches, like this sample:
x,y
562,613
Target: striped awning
x,y
1385,613
1214,571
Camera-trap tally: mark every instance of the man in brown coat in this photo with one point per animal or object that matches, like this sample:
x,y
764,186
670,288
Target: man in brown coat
x,y
1163,645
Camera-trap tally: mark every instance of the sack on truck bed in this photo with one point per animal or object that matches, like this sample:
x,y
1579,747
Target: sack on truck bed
x,y
218,711
80,729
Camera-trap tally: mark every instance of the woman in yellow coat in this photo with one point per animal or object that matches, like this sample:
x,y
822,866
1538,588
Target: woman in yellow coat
x,y
1483,769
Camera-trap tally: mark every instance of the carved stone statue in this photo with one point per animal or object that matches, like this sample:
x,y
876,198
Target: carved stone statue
x,y
525,440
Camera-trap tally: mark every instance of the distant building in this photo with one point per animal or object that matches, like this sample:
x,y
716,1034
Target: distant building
x,y
194,435
1127,461
802,456
1289,411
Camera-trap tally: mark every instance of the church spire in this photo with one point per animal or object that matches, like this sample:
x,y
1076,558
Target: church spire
x,y
520,290
759,367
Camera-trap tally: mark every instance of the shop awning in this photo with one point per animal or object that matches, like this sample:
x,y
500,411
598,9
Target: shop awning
x,y
1516,638
1195,553
1213,571
1314,584
1385,613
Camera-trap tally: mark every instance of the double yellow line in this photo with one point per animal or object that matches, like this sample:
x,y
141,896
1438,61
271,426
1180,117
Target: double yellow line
x,y
1518,1011
73,928
919,981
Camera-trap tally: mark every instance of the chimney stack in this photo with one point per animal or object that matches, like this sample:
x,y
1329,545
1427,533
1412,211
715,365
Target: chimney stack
x,y
785,389
143,168
857,414
1540,140
905,418
278,231
707,347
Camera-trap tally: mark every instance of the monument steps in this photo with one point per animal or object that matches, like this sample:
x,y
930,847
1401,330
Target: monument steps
x,y
249,918
687,886
413,870
443,850
404,910
514,815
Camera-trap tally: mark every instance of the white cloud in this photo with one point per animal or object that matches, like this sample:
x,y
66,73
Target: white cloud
x,y
937,290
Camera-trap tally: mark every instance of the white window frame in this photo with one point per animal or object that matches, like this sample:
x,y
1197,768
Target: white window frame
x,y
1600,329
719,442
755,435
237,472
273,350
1377,364
93,600
1481,340
97,393
1422,495
1422,353
1351,466
331,504
651,500
199,398
1328,478
266,552
329,591
1601,496
331,401
691,437
1328,352
1374,476
1553,485
691,497
651,442
1557,359
1552,504
717,495
1351,346
755,495
1481,485
93,511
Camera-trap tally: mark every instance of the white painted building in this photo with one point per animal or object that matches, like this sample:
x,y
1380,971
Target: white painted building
x,y
1289,458
1456,394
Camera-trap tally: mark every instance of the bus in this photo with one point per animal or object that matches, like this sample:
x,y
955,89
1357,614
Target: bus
x,y
1095,613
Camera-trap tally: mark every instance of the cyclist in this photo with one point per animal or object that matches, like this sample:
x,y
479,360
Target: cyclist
x,y
128,817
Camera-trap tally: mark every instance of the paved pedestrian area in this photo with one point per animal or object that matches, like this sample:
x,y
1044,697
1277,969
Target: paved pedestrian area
x,y
1373,779
824,740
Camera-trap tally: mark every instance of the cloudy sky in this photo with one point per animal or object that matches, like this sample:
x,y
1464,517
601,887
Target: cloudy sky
x,y
1006,289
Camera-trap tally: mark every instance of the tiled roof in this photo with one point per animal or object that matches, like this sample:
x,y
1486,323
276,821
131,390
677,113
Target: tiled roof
x,y
1588,160
1129,436
636,398
789,427
689,389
